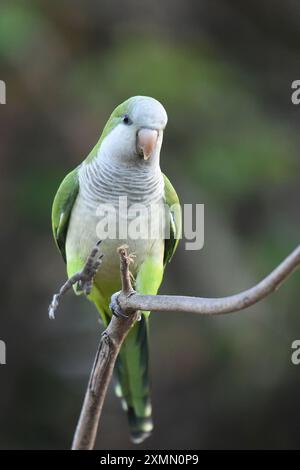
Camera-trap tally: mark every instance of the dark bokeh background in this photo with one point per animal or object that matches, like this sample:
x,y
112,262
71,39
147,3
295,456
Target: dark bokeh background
x,y
223,70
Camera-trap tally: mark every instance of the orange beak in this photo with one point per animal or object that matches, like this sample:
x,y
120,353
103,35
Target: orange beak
x,y
146,142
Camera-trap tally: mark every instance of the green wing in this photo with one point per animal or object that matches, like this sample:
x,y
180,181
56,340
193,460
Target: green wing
x,y
172,202
62,209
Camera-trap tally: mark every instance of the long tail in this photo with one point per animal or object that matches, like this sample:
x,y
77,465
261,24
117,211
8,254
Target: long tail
x,y
133,381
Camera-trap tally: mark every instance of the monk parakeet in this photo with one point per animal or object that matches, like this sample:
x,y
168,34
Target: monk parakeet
x,y
124,162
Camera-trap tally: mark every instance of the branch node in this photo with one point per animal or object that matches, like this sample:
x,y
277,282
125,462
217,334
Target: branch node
x,y
129,303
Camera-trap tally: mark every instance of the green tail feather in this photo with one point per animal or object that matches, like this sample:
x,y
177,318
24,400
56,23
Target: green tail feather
x,y
133,387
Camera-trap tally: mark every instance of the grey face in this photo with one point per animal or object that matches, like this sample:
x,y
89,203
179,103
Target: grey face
x,y
138,137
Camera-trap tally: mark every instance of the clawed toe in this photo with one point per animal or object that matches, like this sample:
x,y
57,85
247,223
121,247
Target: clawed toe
x,y
52,307
115,307
82,280
87,275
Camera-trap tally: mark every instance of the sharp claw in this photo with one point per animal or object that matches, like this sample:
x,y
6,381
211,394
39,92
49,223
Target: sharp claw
x,y
139,316
79,286
131,293
94,253
117,312
51,313
52,308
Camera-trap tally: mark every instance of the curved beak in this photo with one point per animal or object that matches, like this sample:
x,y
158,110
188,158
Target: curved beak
x,y
146,142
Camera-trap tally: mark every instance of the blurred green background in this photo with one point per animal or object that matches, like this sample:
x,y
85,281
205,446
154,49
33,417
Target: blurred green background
x,y
223,70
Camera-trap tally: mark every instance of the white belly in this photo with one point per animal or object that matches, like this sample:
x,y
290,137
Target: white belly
x,y
83,234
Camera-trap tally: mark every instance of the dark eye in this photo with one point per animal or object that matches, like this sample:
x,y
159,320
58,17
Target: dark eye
x,y
127,120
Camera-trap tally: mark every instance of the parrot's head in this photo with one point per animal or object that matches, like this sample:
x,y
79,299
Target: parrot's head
x,y
134,132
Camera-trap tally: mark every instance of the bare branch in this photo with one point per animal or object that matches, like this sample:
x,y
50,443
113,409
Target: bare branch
x,y
214,306
108,349
129,303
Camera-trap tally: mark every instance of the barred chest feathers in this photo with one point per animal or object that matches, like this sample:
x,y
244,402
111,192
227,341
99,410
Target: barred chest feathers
x,y
132,200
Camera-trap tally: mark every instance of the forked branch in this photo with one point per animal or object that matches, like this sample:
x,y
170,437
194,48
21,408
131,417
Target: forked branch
x,y
108,349
127,303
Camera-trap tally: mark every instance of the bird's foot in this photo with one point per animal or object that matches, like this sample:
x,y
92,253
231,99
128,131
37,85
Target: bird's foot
x,y
53,306
84,279
87,275
115,306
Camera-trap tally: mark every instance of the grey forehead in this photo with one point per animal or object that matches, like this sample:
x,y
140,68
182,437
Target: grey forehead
x,y
148,107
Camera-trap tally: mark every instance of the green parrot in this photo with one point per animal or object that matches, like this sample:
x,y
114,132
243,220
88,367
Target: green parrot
x,y
124,162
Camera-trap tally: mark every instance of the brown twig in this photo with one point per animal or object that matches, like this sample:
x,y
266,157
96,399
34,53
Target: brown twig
x,y
130,303
108,349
